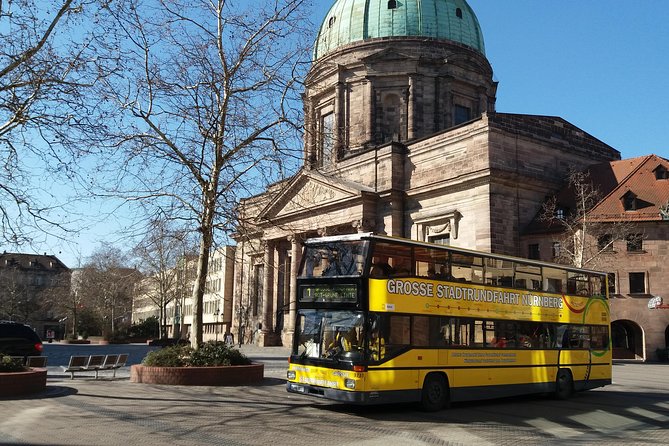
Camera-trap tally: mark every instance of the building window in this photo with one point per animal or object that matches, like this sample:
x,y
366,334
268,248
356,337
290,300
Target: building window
x,y
637,283
556,250
441,239
392,4
458,13
331,22
605,242
629,201
661,173
327,139
560,213
533,251
461,114
611,283
634,242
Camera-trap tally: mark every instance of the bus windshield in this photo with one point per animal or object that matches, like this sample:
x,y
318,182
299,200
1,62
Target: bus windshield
x,y
334,259
327,334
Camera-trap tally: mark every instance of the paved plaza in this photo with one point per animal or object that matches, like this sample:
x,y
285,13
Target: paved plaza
x,y
84,411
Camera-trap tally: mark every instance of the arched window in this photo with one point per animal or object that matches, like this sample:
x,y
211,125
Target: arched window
x,y
458,13
392,4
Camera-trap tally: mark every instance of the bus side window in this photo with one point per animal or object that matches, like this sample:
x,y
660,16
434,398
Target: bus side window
x,y
420,331
399,333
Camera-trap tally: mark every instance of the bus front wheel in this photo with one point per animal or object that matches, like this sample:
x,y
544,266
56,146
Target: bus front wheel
x,y
434,395
564,385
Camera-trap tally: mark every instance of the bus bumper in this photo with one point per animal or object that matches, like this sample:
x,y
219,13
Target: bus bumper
x,y
348,397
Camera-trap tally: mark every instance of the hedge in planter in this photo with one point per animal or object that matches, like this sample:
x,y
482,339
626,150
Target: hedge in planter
x,y
213,364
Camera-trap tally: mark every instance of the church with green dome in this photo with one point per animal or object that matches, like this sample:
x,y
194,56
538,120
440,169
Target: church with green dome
x,y
402,137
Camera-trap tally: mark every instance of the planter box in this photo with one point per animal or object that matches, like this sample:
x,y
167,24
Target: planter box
x,y
234,375
22,383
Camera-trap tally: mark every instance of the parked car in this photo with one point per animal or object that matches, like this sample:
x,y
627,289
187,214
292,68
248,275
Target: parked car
x,y
19,340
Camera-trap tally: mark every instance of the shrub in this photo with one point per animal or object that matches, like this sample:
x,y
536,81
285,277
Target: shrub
x,y
209,354
116,337
172,356
215,353
8,364
147,328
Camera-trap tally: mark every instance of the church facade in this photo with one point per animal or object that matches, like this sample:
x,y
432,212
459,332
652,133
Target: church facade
x,y
401,138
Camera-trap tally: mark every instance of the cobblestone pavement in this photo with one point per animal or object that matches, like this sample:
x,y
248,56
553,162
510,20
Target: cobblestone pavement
x,y
84,411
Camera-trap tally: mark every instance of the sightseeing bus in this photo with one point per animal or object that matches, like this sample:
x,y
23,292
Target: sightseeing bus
x,y
383,320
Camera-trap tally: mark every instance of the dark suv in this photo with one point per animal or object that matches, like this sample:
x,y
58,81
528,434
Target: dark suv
x,y
19,340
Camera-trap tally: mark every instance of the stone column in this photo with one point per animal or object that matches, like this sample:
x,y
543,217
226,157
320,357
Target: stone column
x,y
295,258
340,119
411,108
369,109
267,294
309,133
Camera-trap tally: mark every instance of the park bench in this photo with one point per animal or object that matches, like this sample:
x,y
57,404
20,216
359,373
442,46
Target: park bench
x,y
95,363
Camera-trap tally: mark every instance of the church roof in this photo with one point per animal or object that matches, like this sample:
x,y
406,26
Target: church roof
x,y
351,21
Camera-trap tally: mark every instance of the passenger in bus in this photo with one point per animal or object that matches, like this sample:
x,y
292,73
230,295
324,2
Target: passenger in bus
x,y
349,340
402,268
377,346
499,342
380,268
333,345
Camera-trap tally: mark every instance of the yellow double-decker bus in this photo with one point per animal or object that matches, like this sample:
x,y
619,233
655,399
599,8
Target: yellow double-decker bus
x,y
383,320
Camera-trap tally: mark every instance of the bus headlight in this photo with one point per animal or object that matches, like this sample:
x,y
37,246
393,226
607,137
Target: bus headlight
x,y
349,383
291,374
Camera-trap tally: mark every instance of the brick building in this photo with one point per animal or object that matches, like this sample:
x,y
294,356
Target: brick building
x,y
631,242
402,138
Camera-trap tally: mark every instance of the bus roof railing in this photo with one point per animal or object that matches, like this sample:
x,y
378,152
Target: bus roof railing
x,y
406,241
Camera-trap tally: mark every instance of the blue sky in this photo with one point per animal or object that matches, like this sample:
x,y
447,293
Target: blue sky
x,y
600,64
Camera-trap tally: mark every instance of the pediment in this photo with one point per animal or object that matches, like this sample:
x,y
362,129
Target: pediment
x,y
310,191
388,54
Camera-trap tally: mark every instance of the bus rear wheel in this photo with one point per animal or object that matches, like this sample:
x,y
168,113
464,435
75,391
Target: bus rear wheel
x,y
435,394
564,385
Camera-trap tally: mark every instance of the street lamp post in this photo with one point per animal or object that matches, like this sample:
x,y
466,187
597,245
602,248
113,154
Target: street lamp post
x,y
216,313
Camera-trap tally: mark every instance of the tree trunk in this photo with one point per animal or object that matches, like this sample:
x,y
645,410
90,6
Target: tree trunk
x,y
206,241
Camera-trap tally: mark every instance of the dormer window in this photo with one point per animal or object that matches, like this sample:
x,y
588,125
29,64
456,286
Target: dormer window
x,y
332,21
458,13
392,4
629,201
661,173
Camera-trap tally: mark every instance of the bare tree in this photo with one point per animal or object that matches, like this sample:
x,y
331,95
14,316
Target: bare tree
x,y
45,69
204,110
107,285
583,238
159,254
